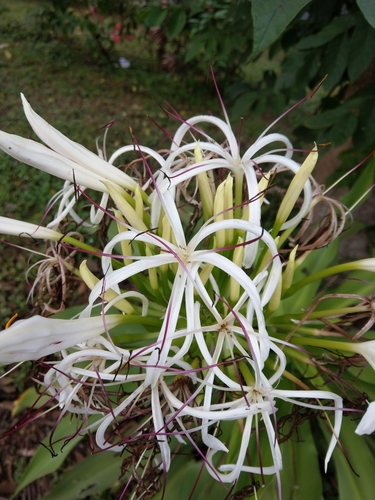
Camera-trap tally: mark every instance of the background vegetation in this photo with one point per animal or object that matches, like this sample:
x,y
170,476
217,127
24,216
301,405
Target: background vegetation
x,y
65,57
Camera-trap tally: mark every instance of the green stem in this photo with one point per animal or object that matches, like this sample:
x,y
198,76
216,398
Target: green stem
x,y
88,248
81,245
326,313
325,344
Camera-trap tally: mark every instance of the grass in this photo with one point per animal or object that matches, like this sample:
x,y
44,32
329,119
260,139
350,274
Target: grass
x,y
79,96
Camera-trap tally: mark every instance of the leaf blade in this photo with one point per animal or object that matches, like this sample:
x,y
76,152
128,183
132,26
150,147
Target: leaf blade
x,y
368,10
270,19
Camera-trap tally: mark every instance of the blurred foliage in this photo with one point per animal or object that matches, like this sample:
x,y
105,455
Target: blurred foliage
x,y
297,47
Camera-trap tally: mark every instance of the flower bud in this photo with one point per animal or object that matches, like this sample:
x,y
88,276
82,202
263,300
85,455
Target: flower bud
x,y
91,280
294,190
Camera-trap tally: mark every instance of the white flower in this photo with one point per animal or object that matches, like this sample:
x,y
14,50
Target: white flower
x,y
177,170
65,159
367,424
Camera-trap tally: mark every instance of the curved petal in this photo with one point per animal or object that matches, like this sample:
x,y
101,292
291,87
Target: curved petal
x,y
74,151
39,156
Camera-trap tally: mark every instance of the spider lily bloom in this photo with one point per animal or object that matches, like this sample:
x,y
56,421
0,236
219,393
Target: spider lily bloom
x,y
68,194
263,399
253,398
189,261
367,424
66,160
183,164
33,338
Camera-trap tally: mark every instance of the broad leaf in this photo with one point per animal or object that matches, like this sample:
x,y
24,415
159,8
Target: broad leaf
x,y
176,23
364,136
195,46
155,17
43,462
300,477
335,61
185,480
30,398
270,19
342,130
91,476
361,50
362,184
355,471
290,66
368,10
328,33
332,116
243,104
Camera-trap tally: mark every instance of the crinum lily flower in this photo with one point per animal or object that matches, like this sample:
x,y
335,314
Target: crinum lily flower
x,y
65,159
183,164
204,356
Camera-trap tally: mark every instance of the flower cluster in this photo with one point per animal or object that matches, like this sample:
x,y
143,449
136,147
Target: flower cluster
x,y
173,341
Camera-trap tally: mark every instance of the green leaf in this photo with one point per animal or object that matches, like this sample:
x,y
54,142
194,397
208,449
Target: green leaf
x,y
29,398
43,463
358,484
244,102
332,116
368,10
339,25
182,478
70,312
343,129
365,133
362,184
91,476
361,50
270,20
176,23
300,476
195,46
336,61
290,66
156,17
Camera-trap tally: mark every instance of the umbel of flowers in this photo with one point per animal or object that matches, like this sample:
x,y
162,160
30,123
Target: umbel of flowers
x,y
174,341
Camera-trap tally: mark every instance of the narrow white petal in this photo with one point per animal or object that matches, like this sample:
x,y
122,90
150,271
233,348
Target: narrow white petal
x,y
160,430
367,424
189,126
74,151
